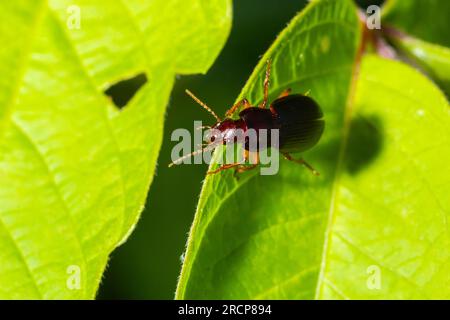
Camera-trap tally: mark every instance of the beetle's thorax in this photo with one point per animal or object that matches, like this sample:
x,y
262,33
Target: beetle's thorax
x,y
227,130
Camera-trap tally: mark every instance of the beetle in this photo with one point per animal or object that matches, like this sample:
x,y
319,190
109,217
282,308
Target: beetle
x,y
298,118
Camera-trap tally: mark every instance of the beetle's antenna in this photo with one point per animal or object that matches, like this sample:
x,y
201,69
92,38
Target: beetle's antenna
x,y
203,127
203,105
207,148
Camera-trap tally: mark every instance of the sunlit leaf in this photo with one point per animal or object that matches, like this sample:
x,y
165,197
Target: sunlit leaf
x,y
391,206
74,169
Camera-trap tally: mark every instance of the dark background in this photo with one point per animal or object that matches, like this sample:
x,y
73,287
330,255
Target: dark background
x,y
148,264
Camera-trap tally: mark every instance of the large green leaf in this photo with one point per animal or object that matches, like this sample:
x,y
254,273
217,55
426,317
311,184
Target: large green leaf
x,y
379,209
390,208
74,169
251,236
427,20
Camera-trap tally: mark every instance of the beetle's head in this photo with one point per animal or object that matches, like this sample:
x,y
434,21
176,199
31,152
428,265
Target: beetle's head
x,y
221,132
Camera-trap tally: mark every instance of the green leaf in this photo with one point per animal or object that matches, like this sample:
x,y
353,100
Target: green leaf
x,y
390,207
374,224
427,20
74,169
260,237
433,58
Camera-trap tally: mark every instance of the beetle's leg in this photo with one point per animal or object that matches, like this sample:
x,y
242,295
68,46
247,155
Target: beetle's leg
x,y
285,93
252,156
303,162
242,168
266,85
254,161
243,102
224,167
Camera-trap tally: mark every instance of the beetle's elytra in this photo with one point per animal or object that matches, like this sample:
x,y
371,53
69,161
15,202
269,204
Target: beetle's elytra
x,y
297,117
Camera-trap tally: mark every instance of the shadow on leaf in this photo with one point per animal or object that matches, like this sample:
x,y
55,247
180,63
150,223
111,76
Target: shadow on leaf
x,y
365,142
